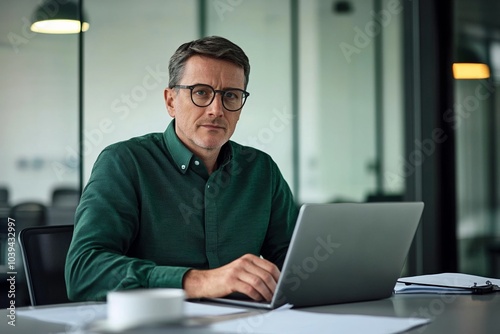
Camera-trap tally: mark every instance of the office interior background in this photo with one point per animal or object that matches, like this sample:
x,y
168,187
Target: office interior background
x,y
355,100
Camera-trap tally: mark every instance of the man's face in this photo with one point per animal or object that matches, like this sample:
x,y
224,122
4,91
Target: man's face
x,y
204,129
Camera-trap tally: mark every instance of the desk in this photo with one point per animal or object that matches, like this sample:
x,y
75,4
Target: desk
x,y
449,314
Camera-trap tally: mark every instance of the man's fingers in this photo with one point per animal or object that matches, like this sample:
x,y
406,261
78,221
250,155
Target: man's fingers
x,y
267,266
260,275
249,274
256,287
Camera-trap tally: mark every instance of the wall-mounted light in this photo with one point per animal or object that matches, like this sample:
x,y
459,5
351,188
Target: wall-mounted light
x,y
58,17
469,65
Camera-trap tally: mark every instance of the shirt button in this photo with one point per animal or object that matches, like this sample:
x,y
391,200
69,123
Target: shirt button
x,y
196,162
183,167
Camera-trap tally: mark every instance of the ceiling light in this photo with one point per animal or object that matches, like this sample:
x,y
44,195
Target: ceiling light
x,y
469,65
58,17
471,71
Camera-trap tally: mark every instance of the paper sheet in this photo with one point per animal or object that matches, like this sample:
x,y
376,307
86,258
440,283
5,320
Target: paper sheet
x,y
445,283
293,321
72,315
277,321
451,279
401,288
78,315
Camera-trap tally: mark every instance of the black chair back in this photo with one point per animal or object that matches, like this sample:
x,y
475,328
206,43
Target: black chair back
x,y
4,196
44,252
28,214
65,197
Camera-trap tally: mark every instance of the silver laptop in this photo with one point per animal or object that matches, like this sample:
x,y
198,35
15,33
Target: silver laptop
x,y
343,252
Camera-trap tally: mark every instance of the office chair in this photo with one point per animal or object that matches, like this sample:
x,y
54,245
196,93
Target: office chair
x,y
4,196
63,208
494,255
26,214
44,250
381,197
65,197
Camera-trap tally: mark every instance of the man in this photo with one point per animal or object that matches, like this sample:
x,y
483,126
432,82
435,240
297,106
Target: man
x,y
187,208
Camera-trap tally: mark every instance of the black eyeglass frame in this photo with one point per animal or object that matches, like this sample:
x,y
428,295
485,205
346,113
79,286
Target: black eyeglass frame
x,y
220,91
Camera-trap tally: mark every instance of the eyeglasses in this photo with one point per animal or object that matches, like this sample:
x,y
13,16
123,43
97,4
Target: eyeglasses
x,y
203,95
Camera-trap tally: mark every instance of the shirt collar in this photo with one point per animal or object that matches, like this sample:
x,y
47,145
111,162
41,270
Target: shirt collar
x,y
182,155
225,154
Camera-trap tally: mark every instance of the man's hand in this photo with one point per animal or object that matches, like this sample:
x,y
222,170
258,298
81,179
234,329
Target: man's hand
x,y
249,274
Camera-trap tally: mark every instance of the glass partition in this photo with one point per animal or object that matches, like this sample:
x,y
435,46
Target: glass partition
x,y
476,122
127,51
38,120
350,135
39,107
337,115
262,29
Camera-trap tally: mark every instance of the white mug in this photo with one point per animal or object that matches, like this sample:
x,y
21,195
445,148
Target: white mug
x,y
143,307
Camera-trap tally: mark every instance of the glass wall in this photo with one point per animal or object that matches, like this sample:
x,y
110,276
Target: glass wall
x,y
38,120
126,62
39,107
350,100
262,29
477,225
126,68
476,122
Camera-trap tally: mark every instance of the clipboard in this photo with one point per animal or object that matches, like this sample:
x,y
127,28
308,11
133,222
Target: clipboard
x,y
447,283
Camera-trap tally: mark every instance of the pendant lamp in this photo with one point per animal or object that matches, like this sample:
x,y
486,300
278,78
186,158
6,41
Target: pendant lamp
x,y
469,65
58,17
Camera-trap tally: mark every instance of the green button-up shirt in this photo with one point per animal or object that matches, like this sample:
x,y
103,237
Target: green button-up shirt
x,y
150,212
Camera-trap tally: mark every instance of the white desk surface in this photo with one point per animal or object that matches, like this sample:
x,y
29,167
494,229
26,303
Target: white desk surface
x,y
449,313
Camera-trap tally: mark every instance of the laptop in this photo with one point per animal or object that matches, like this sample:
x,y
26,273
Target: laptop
x,y
342,252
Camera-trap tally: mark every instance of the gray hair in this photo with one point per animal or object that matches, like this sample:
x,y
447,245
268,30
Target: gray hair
x,y
214,47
